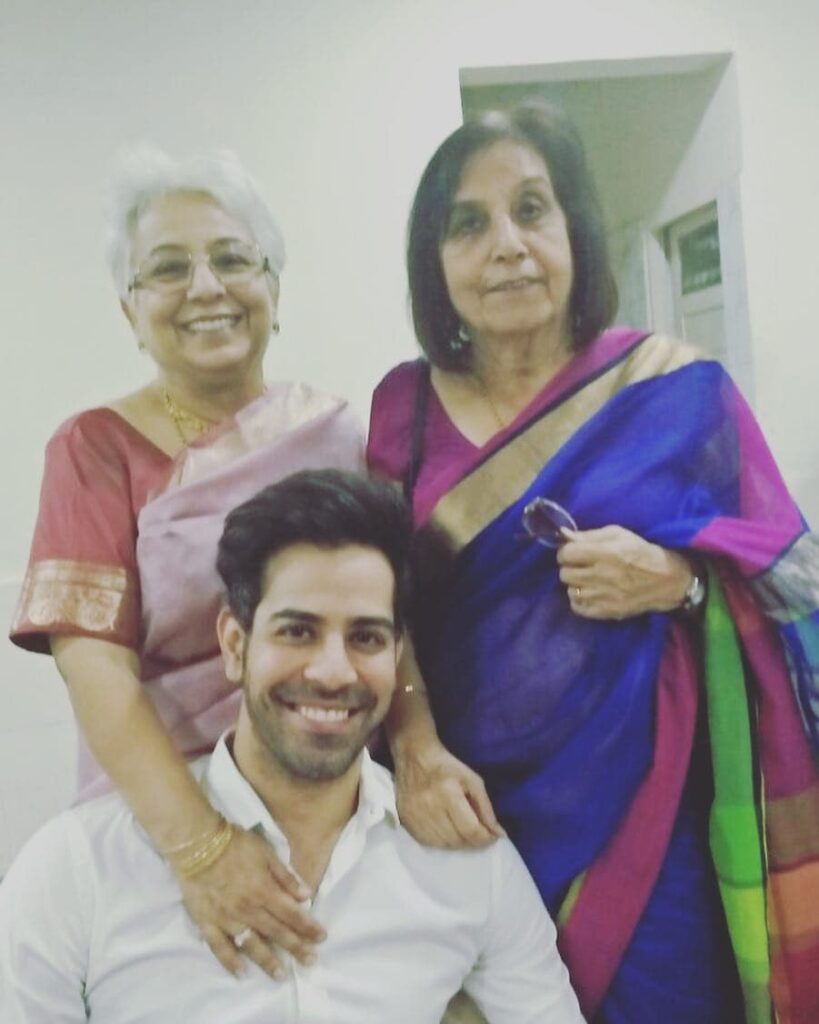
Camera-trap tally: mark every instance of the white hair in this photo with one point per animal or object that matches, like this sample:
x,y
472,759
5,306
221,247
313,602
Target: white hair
x,y
144,173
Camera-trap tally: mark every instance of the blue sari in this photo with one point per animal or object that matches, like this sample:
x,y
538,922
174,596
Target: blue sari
x,y
592,736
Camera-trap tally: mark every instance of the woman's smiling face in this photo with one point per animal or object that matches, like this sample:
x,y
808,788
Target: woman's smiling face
x,y
505,254
203,329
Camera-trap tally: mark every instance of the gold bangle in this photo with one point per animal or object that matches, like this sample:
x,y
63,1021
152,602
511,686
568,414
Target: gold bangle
x,y
207,852
189,844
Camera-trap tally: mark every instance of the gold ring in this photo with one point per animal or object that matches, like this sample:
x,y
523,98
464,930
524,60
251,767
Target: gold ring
x,y
240,939
578,593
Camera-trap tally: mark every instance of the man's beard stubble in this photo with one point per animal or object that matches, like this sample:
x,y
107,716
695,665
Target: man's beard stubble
x,y
317,757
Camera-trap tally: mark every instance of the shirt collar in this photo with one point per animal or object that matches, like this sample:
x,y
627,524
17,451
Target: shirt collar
x,y
231,793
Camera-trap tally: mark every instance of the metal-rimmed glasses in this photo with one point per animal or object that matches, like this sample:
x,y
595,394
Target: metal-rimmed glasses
x,y
170,269
544,521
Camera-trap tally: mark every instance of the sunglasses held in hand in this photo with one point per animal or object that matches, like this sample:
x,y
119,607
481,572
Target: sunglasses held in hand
x,y
545,520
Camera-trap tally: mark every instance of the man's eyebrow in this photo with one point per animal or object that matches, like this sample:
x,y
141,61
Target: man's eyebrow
x,y
298,615
295,613
374,620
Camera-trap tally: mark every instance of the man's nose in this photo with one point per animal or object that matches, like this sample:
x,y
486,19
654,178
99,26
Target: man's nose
x,y
330,664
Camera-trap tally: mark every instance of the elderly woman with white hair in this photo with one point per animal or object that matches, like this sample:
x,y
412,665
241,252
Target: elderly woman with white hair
x,y
122,587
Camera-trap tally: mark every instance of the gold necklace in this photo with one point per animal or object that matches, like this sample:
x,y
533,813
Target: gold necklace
x,y
183,419
482,391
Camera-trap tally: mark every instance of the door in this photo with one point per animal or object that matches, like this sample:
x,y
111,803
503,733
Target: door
x,y
693,249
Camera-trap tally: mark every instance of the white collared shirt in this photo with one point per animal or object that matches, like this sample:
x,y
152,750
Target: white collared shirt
x,y
92,927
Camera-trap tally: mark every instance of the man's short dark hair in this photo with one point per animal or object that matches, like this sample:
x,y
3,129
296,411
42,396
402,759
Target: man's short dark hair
x,y
329,508
546,130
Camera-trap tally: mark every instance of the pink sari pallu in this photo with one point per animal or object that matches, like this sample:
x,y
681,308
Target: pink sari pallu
x,y
290,428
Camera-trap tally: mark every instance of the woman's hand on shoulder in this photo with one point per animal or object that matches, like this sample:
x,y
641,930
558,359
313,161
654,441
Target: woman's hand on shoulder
x,y
248,888
441,801
612,573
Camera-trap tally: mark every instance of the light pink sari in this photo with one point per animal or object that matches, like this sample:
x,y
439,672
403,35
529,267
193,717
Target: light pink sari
x,y
290,428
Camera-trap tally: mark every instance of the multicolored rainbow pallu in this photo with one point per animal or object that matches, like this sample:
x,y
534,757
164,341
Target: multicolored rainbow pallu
x,y
607,746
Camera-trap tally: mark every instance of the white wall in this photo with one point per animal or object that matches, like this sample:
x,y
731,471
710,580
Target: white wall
x,y
335,106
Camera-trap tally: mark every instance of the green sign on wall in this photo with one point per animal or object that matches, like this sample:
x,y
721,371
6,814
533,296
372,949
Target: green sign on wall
x,y
699,258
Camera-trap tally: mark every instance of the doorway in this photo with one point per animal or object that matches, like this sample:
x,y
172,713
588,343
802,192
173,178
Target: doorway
x,y
693,253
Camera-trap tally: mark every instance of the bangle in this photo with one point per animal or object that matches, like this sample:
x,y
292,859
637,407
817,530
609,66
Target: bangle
x,y
189,844
199,854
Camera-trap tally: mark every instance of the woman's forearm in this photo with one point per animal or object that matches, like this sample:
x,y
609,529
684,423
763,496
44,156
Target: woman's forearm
x,y
131,744
409,723
440,801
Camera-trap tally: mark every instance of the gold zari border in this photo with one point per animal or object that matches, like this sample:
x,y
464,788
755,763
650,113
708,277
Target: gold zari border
x,y
92,598
500,481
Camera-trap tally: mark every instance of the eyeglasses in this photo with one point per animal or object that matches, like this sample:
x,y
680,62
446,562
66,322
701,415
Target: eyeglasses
x,y
545,520
170,269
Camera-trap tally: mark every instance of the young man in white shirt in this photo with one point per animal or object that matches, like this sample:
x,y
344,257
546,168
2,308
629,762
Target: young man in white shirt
x,y
91,920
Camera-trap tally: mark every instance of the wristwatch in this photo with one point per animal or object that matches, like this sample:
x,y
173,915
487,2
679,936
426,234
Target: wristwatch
x,y
694,595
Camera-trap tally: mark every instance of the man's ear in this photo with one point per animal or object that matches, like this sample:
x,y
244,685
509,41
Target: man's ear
x,y
232,641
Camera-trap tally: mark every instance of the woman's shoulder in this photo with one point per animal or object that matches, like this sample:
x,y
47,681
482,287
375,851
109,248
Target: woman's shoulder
x,y
298,394
394,398
102,436
289,405
400,380
675,352
100,426
642,354
391,418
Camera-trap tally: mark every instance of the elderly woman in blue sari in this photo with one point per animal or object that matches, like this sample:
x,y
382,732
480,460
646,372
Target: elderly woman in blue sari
x,y
640,700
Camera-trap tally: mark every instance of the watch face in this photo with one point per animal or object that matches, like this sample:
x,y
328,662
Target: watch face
x,y
695,594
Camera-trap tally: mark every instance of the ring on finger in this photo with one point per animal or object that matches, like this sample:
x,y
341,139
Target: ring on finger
x,y
578,594
240,939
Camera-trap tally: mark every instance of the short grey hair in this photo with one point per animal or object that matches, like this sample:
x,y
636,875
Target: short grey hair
x,y
144,173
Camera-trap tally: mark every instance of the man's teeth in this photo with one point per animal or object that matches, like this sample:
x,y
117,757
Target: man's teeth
x,y
219,323
324,714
